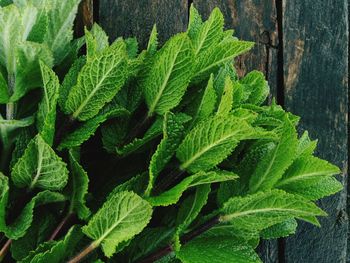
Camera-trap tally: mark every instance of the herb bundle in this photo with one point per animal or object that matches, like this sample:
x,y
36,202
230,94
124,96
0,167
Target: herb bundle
x,y
159,155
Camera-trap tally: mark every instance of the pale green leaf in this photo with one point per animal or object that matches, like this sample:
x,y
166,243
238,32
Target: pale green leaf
x,y
98,82
28,74
173,195
173,132
306,146
271,168
209,61
195,23
78,188
282,229
206,103
122,216
96,40
263,209
211,141
226,103
40,167
61,15
46,116
257,87
153,41
169,74
217,250
209,33
69,81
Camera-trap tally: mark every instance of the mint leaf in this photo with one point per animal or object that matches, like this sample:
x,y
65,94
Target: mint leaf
x,y
173,195
47,107
283,229
55,251
78,188
217,250
98,82
210,142
173,131
209,33
226,102
168,77
40,167
190,208
271,168
261,210
122,216
257,87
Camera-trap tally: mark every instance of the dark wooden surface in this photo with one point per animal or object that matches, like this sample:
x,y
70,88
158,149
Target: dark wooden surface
x,y
315,53
302,47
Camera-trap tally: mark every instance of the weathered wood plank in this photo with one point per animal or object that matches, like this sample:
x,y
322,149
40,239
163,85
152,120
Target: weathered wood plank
x,y
255,21
315,44
136,18
85,17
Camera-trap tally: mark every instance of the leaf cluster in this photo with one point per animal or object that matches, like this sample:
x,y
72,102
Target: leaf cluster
x,y
157,155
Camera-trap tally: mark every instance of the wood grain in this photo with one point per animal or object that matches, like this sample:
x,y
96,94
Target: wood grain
x,y
315,48
254,21
136,18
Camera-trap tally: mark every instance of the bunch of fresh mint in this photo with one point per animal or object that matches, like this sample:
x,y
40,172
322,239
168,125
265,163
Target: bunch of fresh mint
x,y
159,155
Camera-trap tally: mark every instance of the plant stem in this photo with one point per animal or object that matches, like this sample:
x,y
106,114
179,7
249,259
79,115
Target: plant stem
x,y
5,249
169,180
63,222
186,238
67,125
84,253
138,129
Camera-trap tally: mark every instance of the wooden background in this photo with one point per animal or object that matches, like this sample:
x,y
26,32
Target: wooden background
x,y
302,47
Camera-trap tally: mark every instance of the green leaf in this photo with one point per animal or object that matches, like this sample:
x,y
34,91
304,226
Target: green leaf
x,y
256,85
46,115
28,74
59,34
4,94
98,82
40,167
38,232
216,56
306,146
261,210
148,241
216,250
55,251
310,172
173,195
20,226
88,128
271,168
78,188
96,40
209,33
283,229
153,41
168,77
173,132
69,81
211,141
190,208
195,23
206,103
226,102
122,216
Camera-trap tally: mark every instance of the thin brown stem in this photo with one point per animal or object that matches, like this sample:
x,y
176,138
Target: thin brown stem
x,y
58,229
5,249
84,253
